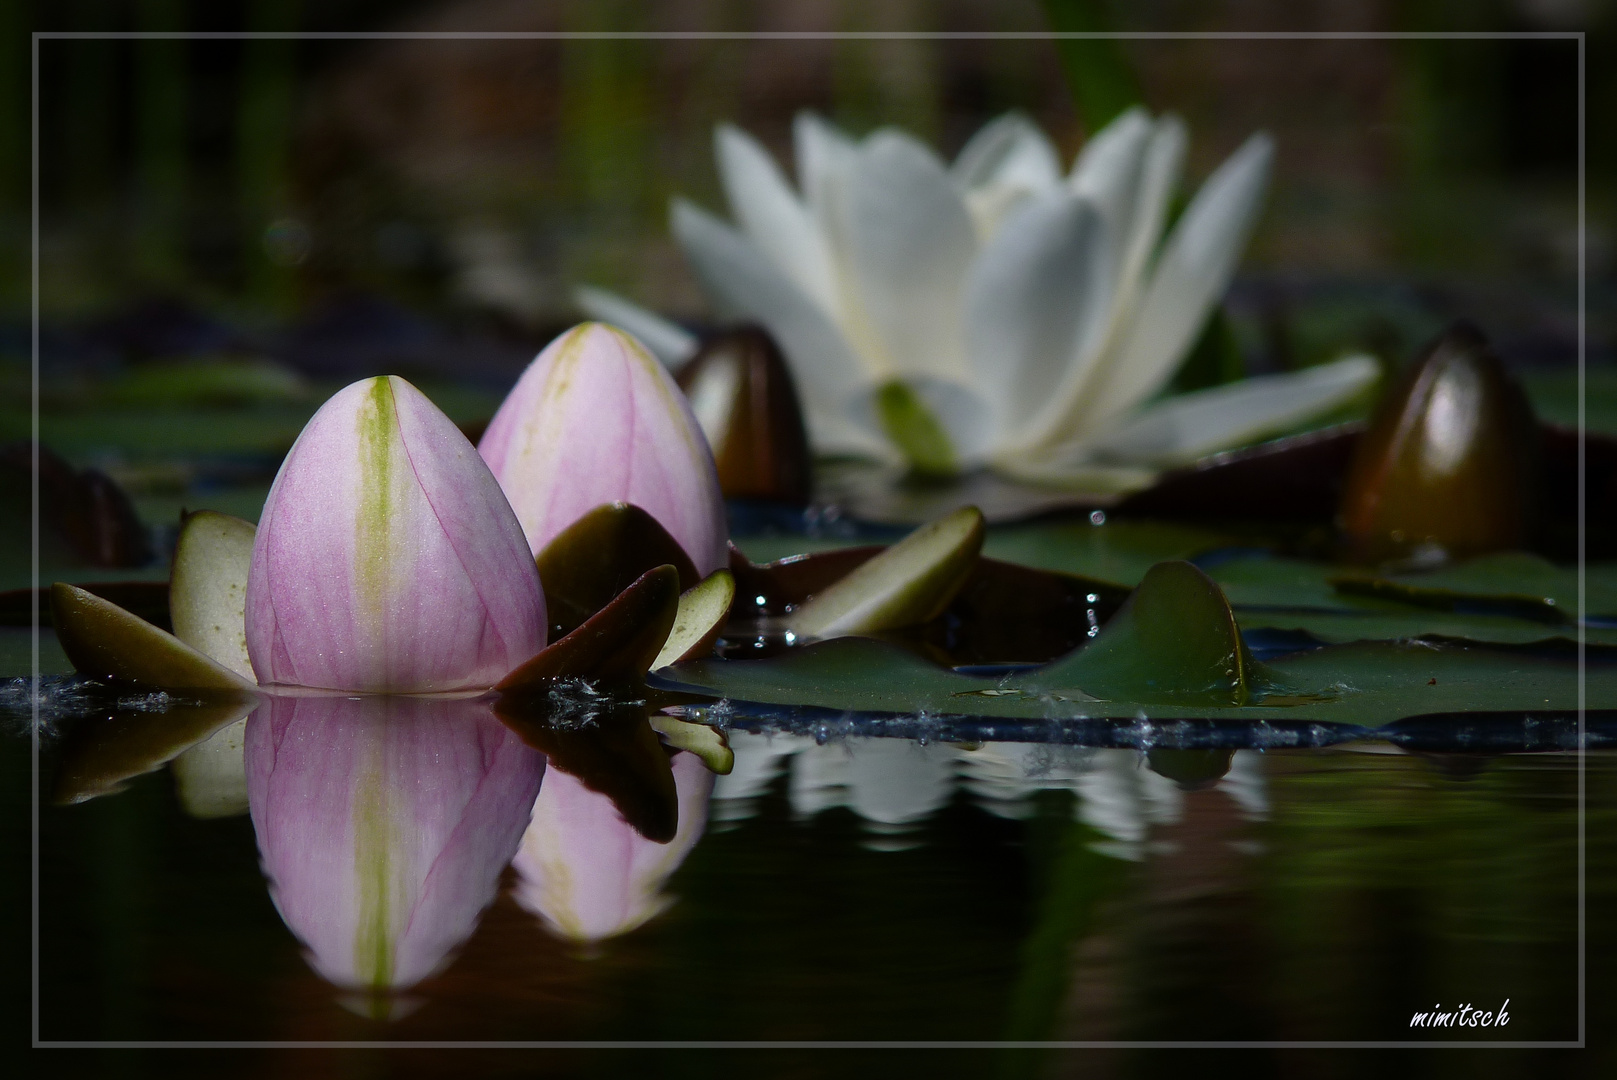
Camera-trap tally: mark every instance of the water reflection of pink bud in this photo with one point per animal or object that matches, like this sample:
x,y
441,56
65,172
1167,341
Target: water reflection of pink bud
x,y
596,419
383,824
586,872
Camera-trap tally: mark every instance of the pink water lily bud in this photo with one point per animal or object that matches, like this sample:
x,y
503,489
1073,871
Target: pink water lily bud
x,y
387,558
596,419
383,824
586,872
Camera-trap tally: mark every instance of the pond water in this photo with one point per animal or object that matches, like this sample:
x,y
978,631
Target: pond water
x,y
837,888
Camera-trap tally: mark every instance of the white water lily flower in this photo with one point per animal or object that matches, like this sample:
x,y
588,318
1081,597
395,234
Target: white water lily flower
x,y
994,311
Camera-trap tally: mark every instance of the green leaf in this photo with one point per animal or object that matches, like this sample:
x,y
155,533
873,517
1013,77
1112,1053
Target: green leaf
x,y
914,430
906,584
106,642
616,644
702,613
208,589
1174,641
1102,81
595,558
1366,683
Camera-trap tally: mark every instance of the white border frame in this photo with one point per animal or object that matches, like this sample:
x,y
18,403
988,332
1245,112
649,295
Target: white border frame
x,y
1579,36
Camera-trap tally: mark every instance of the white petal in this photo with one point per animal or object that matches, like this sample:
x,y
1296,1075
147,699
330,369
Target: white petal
x,y
823,152
668,341
1193,271
1107,169
1008,151
907,242
1184,428
1035,295
1158,177
772,216
1131,167
745,284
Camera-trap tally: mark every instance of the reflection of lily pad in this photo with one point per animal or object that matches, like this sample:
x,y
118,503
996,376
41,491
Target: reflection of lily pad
x,y
101,755
610,746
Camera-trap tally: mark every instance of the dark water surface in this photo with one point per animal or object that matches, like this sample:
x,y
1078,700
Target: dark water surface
x,y
862,889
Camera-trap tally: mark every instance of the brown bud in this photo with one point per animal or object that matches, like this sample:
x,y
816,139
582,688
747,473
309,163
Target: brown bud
x,y
1446,466
743,396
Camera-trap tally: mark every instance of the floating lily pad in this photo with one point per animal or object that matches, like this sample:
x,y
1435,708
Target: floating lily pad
x,y
1513,578
1116,550
1366,683
598,556
1407,624
208,590
106,642
1175,641
616,644
907,584
701,615
1003,613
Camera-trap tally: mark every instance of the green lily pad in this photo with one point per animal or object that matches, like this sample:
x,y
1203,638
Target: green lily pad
x,y
705,742
1408,624
598,556
1117,550
701,616
1366,683
1513,578
208,590
908,583
616,644
1174,641
102,755
106,642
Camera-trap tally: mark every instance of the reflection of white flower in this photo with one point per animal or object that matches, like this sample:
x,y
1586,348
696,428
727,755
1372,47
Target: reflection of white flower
x,y
992,311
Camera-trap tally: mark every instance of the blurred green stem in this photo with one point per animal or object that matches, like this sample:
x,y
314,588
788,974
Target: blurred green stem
x,y
1103,84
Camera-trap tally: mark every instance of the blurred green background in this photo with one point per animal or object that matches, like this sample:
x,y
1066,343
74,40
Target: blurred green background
x,y
230,229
